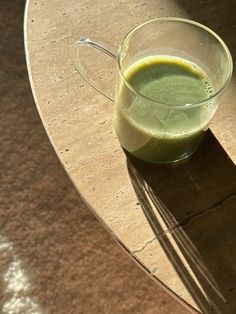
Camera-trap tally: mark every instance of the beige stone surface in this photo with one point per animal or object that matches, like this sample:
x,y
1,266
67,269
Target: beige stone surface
x,y
78,121
45,266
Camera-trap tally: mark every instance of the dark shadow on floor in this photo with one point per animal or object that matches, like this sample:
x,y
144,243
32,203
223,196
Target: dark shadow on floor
x,y
191,207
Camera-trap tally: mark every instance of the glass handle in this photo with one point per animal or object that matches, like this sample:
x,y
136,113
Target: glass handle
x,y
84,70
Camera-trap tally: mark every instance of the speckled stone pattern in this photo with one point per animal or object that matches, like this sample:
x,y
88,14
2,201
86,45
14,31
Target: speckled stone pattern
x,y
55,257
177,223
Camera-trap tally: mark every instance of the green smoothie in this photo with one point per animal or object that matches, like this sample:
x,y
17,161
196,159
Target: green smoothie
x,y
161,121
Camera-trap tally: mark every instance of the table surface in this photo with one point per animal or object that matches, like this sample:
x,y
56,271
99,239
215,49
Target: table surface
x,y
176,222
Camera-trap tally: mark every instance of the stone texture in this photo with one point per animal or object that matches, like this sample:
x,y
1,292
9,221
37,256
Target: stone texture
x,y
191,209
78,122
55,257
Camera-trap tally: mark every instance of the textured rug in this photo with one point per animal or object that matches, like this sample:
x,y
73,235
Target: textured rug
x,y
54,256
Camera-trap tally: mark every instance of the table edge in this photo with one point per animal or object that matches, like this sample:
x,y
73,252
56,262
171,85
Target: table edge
x,y
113,235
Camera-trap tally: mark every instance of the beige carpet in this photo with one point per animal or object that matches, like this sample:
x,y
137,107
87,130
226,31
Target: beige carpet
x,y
54,256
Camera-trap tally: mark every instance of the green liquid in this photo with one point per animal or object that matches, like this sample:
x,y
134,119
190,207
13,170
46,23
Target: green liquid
x,y
169,132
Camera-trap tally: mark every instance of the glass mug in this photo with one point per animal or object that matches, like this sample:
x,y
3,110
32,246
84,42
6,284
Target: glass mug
x,y
147,127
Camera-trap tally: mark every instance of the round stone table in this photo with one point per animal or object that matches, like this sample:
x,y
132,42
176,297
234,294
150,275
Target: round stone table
x,y
175,222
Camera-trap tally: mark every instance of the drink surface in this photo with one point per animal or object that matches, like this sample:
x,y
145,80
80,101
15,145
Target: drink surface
x,y
158,122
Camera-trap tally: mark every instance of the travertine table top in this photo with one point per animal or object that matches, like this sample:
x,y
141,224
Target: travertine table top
x,y
176,222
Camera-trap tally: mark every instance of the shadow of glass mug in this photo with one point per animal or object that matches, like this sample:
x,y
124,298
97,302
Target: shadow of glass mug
x,y
178,51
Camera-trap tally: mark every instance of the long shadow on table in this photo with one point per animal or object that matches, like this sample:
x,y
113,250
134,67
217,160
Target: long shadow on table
x,y
191,207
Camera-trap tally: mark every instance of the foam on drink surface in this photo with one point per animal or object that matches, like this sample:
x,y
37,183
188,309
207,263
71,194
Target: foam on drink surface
x,y
161,114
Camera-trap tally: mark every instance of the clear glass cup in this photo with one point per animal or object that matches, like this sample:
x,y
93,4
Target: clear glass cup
x,y
149,129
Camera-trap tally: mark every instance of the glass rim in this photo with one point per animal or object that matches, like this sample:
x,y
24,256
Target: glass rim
x,y
187,21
